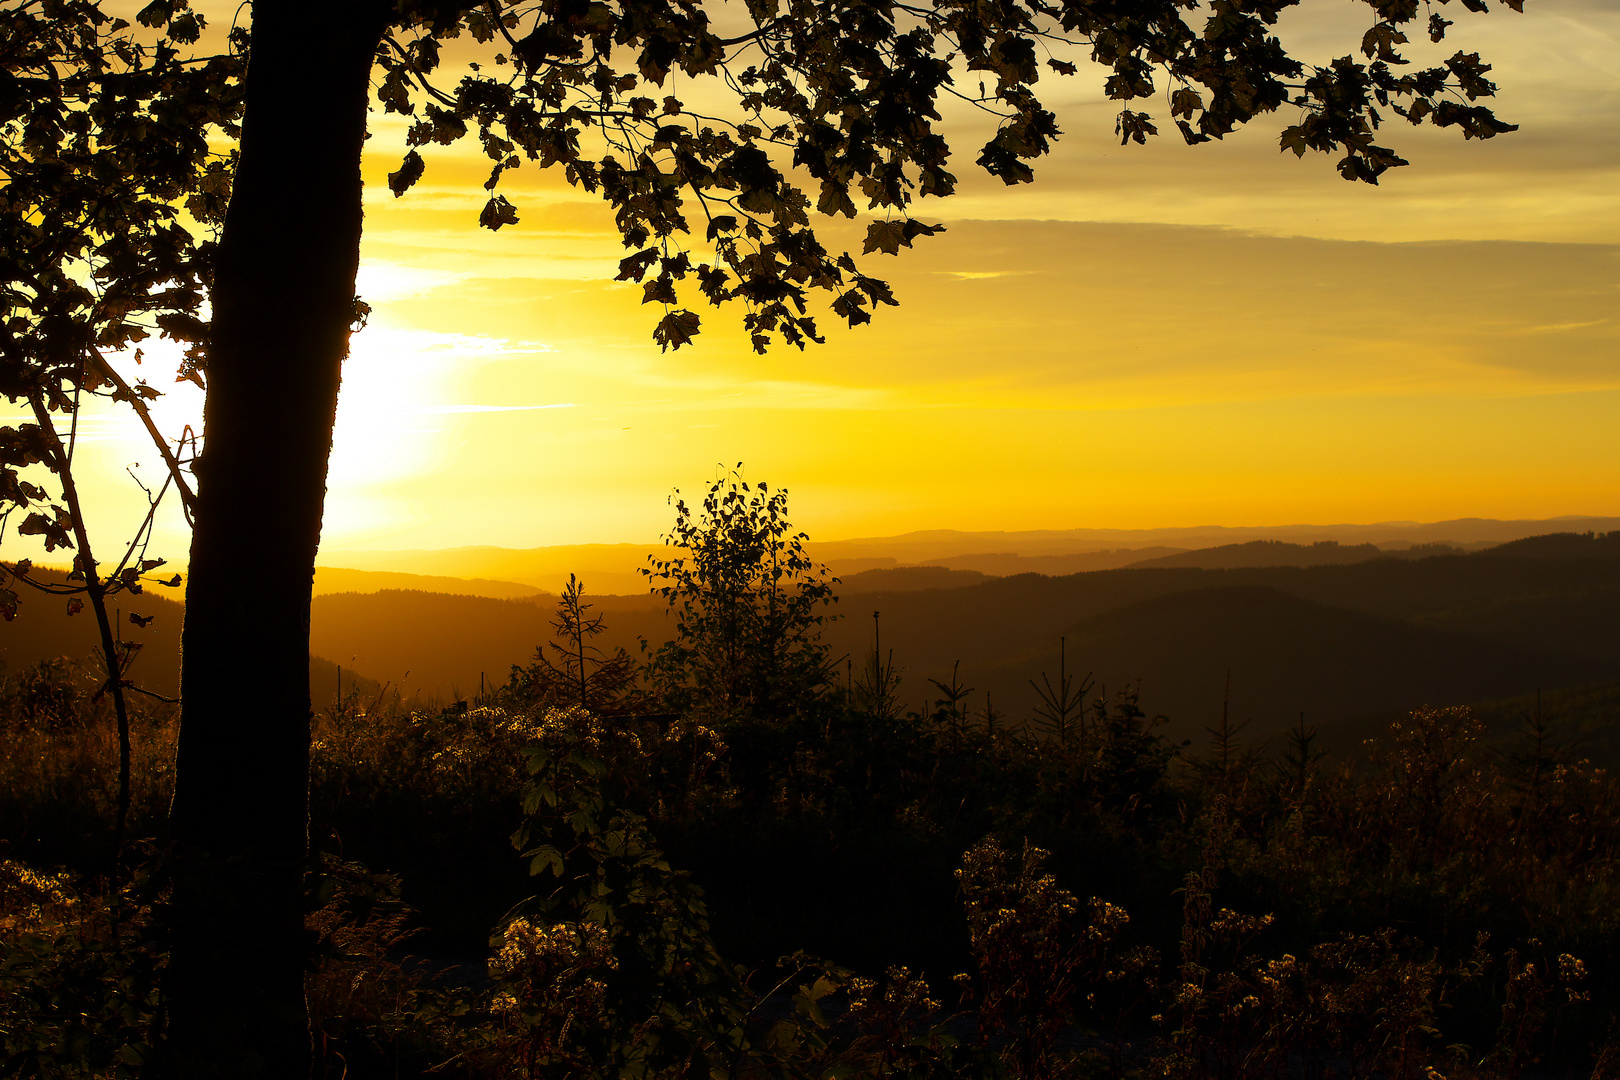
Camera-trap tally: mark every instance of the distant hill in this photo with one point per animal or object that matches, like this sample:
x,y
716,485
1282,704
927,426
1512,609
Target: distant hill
x,y
1283,656
937,546
907,579
603,568
1006,564
1566,545
931,617
613,568
1540,607
1258,553
44,630
336,579
1443,629
439,645
1270,553
1583,620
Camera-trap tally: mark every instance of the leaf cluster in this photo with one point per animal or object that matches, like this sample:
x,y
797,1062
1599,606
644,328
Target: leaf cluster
x,y
615,969
109,175
78,977
838,108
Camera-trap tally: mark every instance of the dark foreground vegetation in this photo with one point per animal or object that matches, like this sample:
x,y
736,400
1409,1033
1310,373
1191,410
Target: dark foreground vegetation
x,y
726,858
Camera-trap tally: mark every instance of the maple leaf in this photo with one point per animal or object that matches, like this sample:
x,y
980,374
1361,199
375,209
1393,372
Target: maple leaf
x,y
409,172
634,267
497,212
676,329
885,236
659,290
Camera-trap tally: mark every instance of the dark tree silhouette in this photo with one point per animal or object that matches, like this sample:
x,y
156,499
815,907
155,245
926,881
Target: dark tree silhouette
x,y
748,605
283,303
583,674
841,92
105,145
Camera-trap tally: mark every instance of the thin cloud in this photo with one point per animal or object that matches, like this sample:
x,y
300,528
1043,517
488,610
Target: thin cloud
x,y
982,275
1556,328
456,409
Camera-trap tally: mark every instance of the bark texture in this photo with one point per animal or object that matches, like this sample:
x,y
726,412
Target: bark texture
x,y
282,310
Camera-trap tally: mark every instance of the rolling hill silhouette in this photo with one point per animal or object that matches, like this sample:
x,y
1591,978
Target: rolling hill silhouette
x,y
613,568
431,643
336,579
1284,655
1338,641
1007,564
1537,607
907,579
1282,553
43,630
1567,545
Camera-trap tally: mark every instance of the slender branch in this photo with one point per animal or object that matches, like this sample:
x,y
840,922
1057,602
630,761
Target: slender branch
x,y
188,499
49,588
143,535
154,694
753,35
417,76
500,24
73,432
96,590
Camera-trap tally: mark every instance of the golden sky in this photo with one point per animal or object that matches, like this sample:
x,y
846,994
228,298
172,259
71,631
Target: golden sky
x,y
1148,336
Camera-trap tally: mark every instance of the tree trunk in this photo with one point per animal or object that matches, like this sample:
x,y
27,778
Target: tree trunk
x,y
282,310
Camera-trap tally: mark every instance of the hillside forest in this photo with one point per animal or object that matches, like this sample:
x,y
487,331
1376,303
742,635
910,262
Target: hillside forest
x,y
1351,817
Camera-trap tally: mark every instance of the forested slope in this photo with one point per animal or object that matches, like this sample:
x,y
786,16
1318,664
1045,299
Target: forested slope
x,y
1335,641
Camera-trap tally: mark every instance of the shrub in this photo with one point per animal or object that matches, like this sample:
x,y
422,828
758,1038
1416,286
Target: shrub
x,y
749,605
78,977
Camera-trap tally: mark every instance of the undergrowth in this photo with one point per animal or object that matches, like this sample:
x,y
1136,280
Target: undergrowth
x,y
1119,910
725,864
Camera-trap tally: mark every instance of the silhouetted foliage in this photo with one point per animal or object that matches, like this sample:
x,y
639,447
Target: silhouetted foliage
x,y
853,94
950,711
45,696
875,691
1370,923
583,674
108,170
748,605
104,149
1061,713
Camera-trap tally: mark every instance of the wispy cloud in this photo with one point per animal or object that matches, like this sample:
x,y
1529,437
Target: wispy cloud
x,y
981,275
1556,328
454,409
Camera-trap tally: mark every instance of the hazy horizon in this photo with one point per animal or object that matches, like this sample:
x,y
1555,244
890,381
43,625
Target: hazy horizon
x,y
1103,534
615,569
